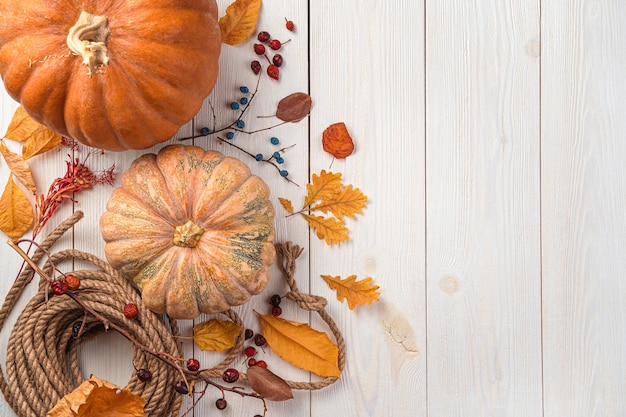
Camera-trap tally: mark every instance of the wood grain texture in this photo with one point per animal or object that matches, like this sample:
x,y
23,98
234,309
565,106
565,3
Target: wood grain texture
x,y
583,205
482,209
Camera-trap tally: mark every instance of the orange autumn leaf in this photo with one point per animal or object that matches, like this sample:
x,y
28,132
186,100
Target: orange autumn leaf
x,y
216,335
322,187
347,202
355,292
22,126
19,167
301,345
239,21
337,141
99,398
330,229
40,142
16,213
286,204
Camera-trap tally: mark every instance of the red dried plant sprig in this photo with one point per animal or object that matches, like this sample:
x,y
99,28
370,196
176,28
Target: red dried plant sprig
x,y
77,177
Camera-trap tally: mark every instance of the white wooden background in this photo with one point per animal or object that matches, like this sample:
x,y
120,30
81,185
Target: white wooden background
x,y
490,138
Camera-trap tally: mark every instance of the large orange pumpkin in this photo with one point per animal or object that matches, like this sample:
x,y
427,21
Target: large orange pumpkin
x,y
113,74
193,229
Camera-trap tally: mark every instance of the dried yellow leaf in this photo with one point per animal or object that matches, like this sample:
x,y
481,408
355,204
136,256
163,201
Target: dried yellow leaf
x,y
355,292
216,335
40,142
99,398
347,202
19,167
22,126
322,187
286,204
301,345
330,229
16,213
239,21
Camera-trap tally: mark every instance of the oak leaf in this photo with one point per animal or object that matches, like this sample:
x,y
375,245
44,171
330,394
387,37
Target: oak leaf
x,y
294,107
22,126
287,205
331,229
301,345
347,202
99,398
216,335
355,292
16,213
40,142
19,167
239,22
322,187
267,384
337,141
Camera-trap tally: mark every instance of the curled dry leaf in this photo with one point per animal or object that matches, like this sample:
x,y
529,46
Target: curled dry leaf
x,y
19,167
16,213
337,141
294,107
301,345
40,142
267,384
239,21
216,335
22,126
286,203
99,398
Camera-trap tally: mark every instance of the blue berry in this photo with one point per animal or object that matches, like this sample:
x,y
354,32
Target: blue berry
x,y
244,89
284,173
259,157
234,105
230,135
280,160
205,131
274,141
243,100
276,154
241,124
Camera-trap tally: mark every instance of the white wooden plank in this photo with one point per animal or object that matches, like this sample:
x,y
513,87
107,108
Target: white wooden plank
x,y
367,71
483,278
583,204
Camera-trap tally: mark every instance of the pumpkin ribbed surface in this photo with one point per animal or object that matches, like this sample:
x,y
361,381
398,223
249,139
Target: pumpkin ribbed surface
x,y
193,229
113,74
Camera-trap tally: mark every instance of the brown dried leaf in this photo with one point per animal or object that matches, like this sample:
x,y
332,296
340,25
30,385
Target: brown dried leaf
x,y
286,204
294,107
40,142
301,345
269,385
216,335
22,126
355,292
337,141
19,167
239,21
16,213
98,398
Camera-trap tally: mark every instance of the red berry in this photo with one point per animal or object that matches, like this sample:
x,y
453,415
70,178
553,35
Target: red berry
x,y
259,48
73,282
289,25
144,375
181,387
193,364
250,351
251,362
263,36
230,375
59,286
277,60
273,71
259,340
277,311
131,310
255,66
221,403
274,44
261,363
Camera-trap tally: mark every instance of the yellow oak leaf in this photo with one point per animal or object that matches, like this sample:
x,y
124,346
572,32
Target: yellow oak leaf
x,y
239,21
301,345
16,213
99,398
322,187
330,229
216,335
19,167
347,202
286,204
22,126
40,142
355,292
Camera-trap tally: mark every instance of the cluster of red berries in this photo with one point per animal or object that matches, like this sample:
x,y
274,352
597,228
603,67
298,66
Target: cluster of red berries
x,y
276,62
67,282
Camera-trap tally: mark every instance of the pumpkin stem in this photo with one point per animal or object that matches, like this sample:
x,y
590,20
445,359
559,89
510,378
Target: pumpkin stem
x,y
88,38
187,235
